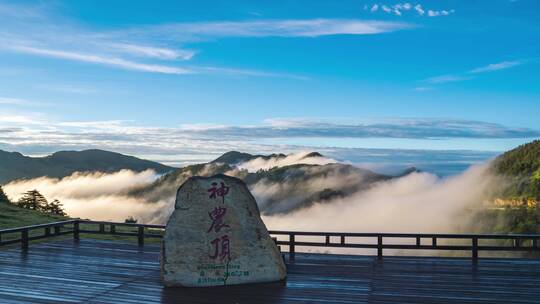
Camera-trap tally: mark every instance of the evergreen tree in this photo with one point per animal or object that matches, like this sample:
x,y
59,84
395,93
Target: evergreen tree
x,y
3,197
55,207
33,200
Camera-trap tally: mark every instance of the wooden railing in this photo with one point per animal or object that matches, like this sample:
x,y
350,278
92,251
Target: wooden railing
x,y
414,241
472,243
24,235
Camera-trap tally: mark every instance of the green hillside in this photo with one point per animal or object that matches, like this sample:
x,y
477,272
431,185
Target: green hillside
x,y
521,169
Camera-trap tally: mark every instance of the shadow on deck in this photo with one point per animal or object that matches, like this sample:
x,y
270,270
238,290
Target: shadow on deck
x,y
95,271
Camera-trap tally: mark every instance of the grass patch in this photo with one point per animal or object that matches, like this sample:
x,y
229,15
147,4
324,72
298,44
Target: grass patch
x,y
12,216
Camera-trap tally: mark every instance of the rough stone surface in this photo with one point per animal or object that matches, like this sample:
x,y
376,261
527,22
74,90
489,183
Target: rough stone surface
x,y
215,236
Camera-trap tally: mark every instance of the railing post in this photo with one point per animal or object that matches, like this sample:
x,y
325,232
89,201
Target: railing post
x,y
113,229
434,241
56,230
327,240
475,249
418,241
47,231
141,236
342,240
379,247
24,240
76,231
291,247
102,228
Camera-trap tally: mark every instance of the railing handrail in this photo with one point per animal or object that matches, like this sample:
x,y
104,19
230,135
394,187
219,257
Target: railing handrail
x,y
123,224
33,227
407,235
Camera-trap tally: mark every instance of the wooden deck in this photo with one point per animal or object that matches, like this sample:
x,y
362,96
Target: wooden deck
x,y
95,271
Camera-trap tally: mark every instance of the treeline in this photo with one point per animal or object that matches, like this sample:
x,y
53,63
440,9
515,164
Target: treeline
x,y
509,220
33,200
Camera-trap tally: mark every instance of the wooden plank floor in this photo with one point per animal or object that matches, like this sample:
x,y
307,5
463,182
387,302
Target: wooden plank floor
x,y
112,272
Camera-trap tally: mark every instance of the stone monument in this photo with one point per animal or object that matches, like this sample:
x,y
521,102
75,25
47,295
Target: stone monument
x,y
215,236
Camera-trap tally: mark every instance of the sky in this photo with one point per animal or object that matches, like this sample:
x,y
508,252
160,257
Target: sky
x,y
183,81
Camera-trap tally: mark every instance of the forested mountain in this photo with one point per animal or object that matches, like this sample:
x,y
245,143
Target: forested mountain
x,y
520,168
14,165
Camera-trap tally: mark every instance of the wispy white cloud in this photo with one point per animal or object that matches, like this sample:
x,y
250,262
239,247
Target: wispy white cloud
x,y
158,48
446,79
386,9
469,74
13,101
243,72
422,89
269,28
432,13
10,120
281,128
418,8
66,88
496,67
155,68
399,8
154,52
20,102
83,57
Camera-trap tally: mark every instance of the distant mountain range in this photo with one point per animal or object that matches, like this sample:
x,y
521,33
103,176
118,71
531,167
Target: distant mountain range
x,y
278,189
310,178
14,165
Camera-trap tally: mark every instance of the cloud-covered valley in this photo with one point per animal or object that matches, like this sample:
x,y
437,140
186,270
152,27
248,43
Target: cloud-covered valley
x,y
292,195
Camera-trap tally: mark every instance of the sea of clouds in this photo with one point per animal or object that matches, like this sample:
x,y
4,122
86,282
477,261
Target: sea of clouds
x,y
418,202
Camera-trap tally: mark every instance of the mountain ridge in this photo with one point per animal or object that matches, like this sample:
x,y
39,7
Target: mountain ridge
x,y
295,186
14,165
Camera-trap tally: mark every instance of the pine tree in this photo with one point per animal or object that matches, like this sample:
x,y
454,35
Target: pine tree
x,y
55,207
3,197
33,200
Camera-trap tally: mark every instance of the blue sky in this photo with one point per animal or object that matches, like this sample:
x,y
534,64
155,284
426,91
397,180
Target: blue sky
x,y
174,81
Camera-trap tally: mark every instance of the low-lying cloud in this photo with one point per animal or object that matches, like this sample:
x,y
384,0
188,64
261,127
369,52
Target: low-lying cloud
x,y
418,202
98,196
303,157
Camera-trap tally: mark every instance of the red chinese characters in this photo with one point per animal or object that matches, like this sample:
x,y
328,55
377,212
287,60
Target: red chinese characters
x,y
221,248
216,191
221,244
216,216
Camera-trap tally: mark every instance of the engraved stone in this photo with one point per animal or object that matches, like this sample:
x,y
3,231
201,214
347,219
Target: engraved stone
x,y
215,236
